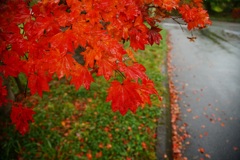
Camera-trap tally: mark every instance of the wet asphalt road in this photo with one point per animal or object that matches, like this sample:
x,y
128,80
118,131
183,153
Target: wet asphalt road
x,y
207,77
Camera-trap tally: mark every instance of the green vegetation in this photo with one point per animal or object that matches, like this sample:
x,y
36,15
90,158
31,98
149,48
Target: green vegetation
x,y
223,10
72,124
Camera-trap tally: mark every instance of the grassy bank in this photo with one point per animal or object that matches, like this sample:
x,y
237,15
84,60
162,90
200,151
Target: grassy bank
x,y
72,124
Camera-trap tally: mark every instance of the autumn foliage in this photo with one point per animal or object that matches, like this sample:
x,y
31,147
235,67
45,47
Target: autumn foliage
x,y
42,40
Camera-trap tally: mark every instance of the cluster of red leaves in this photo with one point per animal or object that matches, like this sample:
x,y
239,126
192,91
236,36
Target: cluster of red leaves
x,y
195,17
20,117
130,95
169,5
41,40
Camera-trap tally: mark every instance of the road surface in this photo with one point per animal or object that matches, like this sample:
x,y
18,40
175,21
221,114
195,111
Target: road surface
x,y
207,77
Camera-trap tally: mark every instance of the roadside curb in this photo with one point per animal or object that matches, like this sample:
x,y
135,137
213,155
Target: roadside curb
x,y
164,130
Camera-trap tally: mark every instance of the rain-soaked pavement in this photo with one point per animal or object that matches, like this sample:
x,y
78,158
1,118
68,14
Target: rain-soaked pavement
x,y
207,77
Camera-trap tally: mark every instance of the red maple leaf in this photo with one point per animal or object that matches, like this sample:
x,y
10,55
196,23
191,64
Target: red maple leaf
x,y
20,116
63,41
154,35
12,64
106,67
147,88
135,71
124,96
91,55
38,82
81,76
39,27
61,64
137,39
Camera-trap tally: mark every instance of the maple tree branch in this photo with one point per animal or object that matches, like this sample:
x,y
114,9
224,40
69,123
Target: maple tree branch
x,y
26,56
19,84
5,109
94,70
59,26
121,74
25,92
180,24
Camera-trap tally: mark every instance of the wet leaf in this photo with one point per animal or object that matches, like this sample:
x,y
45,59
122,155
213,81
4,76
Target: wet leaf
x,y
207,156
203,126
235,148
201,150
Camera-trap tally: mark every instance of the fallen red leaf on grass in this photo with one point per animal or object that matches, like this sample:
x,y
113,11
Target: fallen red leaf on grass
x,y
109,146
89,156
99,154
144,146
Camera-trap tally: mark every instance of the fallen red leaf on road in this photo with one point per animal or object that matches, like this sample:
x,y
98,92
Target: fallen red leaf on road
x,y
201,150
207,156
189,110
222,124
235,148
205,133
195,117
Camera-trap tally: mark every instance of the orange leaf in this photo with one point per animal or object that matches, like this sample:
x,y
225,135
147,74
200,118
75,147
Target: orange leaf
x,y
222,124
201,150
144,146
207,156
131,55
